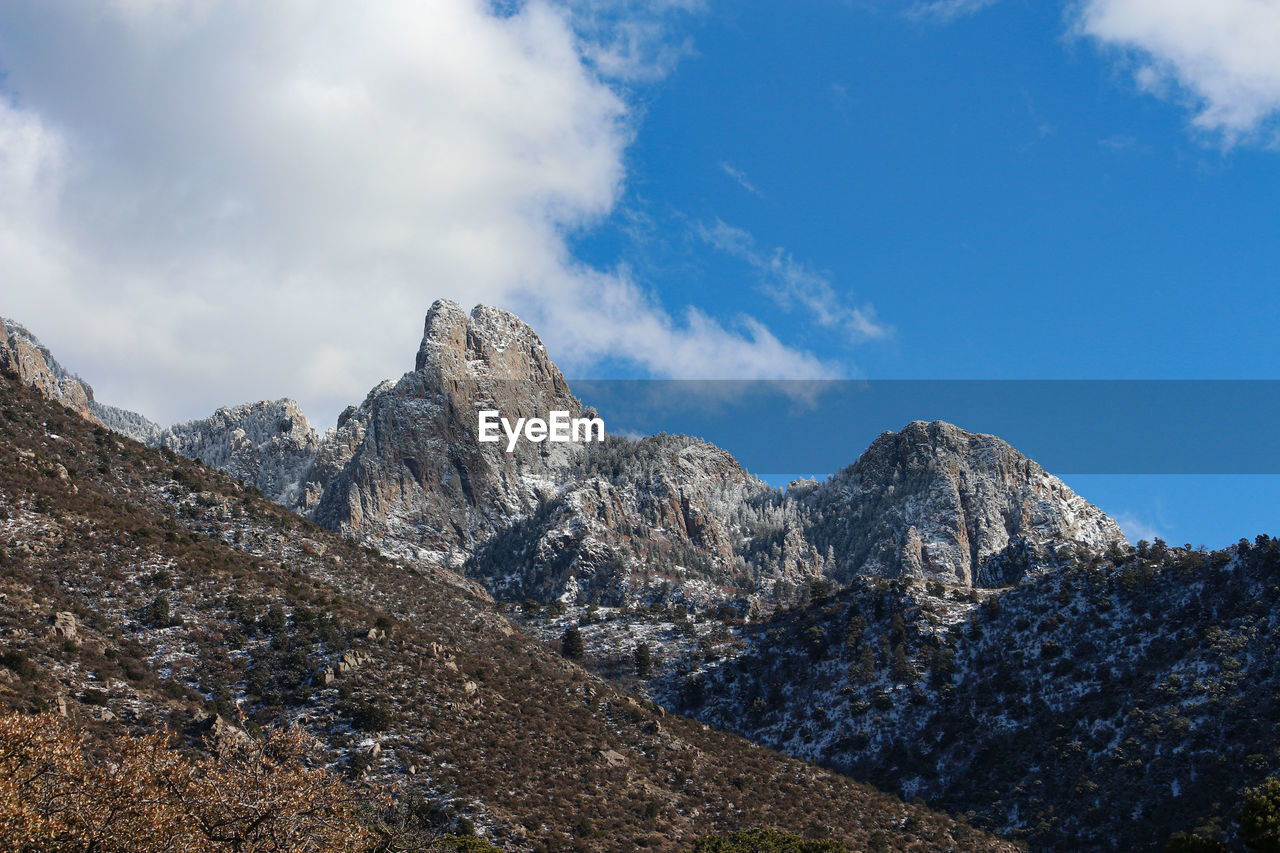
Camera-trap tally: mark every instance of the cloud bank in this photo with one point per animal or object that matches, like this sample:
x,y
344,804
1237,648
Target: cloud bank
x,y
203,203
1218,56
1223,55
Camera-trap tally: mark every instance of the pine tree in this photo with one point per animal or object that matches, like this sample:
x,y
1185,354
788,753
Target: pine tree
x,y
157,613
1260,817
643,660
571,643
902,668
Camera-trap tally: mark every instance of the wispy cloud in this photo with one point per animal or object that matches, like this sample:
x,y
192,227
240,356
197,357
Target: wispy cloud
x,y
1121,142
635,41
1135,528
740,177
794,285
1221,57
946,11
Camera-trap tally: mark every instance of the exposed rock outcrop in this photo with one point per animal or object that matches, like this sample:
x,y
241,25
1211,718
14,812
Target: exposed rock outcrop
x,y
669,513
270,445
937,502
64,625
22,354
405,469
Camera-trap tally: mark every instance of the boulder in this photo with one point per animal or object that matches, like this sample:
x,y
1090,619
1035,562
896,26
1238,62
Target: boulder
x,y
64,625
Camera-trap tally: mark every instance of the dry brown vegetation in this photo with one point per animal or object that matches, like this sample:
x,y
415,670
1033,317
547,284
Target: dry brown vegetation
x,y
250,795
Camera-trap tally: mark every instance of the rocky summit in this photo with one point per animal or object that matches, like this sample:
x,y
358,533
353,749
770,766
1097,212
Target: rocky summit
x,y
672,518
269,445
405,471
939,503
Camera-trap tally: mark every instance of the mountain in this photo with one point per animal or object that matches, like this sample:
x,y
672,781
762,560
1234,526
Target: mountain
x,y
138,587
22,354
270,445
1103,705
942,617
404,470
667,517
939,503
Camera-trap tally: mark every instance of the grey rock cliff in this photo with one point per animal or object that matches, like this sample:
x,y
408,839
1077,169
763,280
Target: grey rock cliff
x,y
22,354
405,470
937,502
665,512
268,444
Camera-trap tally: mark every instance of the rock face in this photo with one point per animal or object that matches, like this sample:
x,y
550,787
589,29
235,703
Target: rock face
x,y
64,625
22,354
619,521
405,469
936,502
269,445
666,512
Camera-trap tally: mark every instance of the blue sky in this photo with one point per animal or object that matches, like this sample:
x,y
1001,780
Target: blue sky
x,y
1001,192
202,204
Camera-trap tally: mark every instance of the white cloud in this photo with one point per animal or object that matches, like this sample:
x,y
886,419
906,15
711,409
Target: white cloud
x,y
625,322
1135,529
634,40
1223,55
740,178
946,11
205,203
794,285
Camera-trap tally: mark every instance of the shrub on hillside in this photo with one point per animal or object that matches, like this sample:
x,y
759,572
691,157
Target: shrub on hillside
x,y
252,795
760,840
1260,817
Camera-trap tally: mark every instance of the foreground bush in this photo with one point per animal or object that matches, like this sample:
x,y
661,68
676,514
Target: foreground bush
x,y
147,797
1260,817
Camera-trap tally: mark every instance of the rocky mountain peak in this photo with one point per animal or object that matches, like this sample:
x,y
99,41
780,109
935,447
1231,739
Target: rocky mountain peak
x,y
936,501
923,446
444,338
487,344
406,469
269,444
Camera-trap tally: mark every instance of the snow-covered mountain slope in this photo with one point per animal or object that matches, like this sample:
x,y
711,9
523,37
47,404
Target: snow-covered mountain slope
x,y
933,501
1101,706
668,518
270,445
